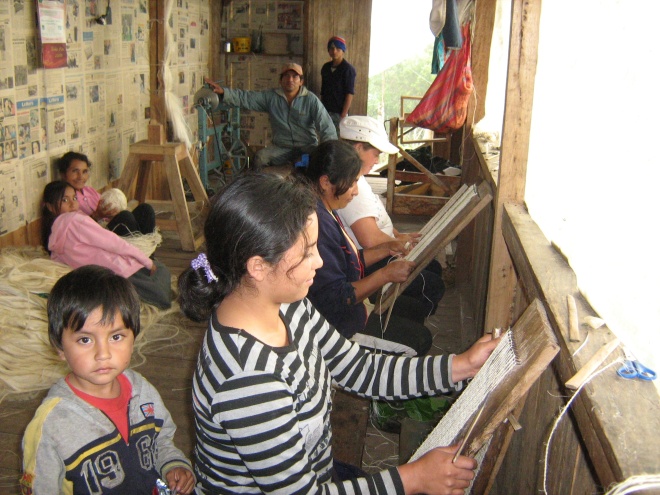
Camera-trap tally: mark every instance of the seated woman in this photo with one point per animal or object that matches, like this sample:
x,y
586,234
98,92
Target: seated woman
x,y
366,219
74,169
74,239
262,389
341,286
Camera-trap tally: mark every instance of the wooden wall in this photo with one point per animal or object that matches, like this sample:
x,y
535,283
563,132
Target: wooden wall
x,y
117,62
349,19
601,440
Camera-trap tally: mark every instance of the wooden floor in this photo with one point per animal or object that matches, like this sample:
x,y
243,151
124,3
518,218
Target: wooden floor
x,y
169,366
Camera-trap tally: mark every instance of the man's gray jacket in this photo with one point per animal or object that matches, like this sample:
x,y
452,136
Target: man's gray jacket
x,y
293,126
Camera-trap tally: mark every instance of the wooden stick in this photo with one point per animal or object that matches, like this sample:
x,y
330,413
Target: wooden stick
x,y
467,435
389,312
591,365
573,323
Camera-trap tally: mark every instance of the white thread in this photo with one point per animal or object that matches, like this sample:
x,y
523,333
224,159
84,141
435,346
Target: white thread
x,y
581,346
180,127
561,415
499,364
635,484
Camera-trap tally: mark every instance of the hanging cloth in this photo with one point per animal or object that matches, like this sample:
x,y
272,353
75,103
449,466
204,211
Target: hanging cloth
x,y
444,106
438,61
437,17
451,31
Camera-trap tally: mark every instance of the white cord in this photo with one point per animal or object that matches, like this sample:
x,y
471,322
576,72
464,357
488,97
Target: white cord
x,y
561,415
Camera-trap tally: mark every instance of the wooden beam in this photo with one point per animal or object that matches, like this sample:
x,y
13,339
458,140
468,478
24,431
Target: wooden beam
x,y
156,57
484,21
615,417
525,20
391,166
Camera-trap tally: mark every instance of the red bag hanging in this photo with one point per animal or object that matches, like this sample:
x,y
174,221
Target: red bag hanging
x,y
444,106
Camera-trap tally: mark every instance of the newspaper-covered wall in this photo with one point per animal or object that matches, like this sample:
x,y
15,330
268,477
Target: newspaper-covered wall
x,y
276,33
97,105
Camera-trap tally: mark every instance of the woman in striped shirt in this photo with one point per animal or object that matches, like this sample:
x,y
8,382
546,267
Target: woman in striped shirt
x,y
262,387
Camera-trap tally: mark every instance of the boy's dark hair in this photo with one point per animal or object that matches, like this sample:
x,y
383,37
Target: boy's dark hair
x,y
65,160
336,159
75,295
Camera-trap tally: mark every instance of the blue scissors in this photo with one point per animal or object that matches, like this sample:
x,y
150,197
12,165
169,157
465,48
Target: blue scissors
x,y
632,368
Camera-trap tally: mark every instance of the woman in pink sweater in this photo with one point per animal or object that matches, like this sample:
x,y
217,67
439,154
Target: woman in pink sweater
x,y
74,169
75,239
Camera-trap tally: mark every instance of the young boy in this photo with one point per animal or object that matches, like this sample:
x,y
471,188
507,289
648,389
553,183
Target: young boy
x,y
337,81
103,428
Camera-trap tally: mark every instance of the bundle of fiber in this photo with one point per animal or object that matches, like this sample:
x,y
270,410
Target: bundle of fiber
x,y
28,363
30,268
147,243
114,199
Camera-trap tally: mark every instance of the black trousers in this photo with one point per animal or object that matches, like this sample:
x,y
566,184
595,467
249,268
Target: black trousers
x,y
428,287
142,219
406,325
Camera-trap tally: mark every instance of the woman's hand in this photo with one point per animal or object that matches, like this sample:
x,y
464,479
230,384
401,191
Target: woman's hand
x,y
467,365
397,271
105,211
153,269
413,238
394,248
435,474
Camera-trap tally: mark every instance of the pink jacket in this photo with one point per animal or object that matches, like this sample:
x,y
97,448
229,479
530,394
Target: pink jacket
x,y
77,240
88,200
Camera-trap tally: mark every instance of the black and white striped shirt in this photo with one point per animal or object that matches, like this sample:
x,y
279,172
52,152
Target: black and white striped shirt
x,y
262,414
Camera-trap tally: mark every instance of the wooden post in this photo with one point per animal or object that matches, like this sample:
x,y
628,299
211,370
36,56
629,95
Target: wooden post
x,y
523,54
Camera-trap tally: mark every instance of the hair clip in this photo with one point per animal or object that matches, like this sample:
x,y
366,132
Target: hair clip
x,y
303,163
202,262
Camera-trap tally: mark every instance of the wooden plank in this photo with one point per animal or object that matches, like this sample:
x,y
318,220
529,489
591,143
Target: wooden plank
x,y
444,181
129,174
618,440
345,18
189,172
412,204
180,206
417,189
498,447
525,20
484,22
391,167
349,418
431,176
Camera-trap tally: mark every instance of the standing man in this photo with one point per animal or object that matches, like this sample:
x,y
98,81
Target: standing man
x,y
337,81
296,116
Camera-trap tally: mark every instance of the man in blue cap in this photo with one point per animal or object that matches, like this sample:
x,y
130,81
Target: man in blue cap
x,y
337,81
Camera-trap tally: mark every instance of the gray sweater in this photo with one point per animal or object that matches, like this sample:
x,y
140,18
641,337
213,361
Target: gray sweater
x,y
72,447
293,126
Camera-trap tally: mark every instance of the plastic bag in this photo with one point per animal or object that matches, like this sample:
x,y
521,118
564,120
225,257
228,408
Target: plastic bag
x,y
444,106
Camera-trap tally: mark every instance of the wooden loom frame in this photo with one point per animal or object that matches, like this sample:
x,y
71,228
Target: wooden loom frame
x,y
536,347
439,231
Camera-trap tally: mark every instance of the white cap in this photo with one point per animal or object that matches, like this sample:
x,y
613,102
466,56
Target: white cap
x,y
368,130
